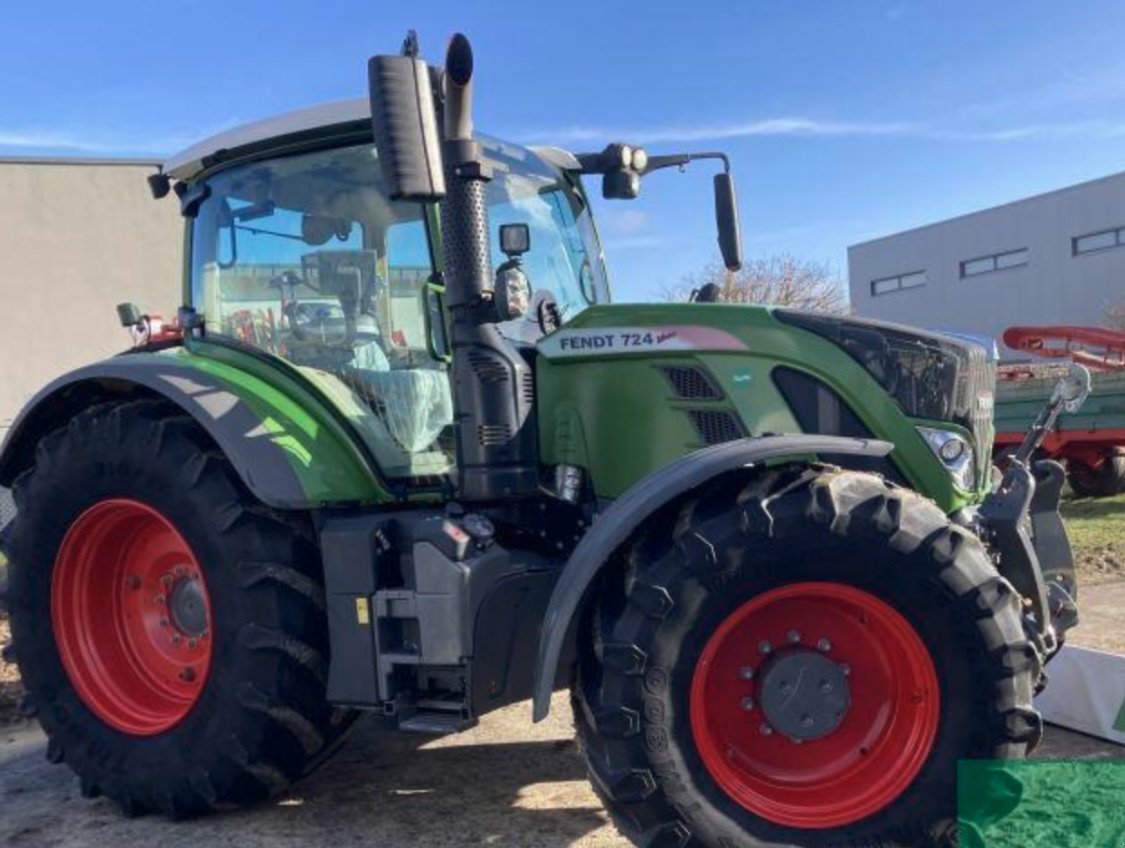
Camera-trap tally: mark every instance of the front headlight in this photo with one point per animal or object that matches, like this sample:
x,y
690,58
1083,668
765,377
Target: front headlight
x,y
955,453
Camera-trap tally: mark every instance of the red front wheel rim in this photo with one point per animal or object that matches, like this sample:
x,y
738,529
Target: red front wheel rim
x,y
131,616
872,718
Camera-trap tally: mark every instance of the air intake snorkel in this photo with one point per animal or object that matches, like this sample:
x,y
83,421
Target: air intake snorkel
x,y
493,390
493,386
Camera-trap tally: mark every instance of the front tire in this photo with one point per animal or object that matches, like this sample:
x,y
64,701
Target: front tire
x,y
170,630
912,639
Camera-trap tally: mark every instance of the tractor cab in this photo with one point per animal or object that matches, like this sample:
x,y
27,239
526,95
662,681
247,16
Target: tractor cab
x,y
297,250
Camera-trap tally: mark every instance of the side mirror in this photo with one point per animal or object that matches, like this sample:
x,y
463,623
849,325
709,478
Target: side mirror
x,y
515,239
405,128
726,217
512,292
129,315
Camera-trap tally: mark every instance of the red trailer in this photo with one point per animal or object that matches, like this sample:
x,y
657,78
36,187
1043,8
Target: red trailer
x,y
1091,443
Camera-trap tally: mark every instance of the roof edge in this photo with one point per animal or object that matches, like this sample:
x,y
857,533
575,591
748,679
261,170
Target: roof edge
x,y
1043,195
79,160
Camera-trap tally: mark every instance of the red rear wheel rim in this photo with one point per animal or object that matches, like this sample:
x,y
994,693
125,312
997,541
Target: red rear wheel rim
x,y
131,616
885,733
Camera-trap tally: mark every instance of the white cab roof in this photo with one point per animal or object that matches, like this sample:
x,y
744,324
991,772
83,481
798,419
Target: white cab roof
x,y
189,162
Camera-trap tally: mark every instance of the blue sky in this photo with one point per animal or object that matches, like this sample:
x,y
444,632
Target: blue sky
x,y
845,120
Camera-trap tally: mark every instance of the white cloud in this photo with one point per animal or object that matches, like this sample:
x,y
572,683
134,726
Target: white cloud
x,y
815,128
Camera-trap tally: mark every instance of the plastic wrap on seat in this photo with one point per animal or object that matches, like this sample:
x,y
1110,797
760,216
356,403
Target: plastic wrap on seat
x,y
415,405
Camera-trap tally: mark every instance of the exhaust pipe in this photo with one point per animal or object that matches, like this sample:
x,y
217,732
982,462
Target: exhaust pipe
x,y
493,386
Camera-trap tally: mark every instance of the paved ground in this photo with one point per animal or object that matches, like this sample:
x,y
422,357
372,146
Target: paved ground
x,y
507,782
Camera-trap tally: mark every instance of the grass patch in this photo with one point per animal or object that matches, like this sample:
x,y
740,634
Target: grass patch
x,y
1096,527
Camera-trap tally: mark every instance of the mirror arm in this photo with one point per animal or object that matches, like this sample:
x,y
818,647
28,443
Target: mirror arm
x,y
679,160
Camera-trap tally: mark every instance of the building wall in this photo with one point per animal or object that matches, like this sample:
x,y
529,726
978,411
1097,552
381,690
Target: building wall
x,y
76,239
1055,286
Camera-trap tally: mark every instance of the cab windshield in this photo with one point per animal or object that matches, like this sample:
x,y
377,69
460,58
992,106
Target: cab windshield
x,y
306,258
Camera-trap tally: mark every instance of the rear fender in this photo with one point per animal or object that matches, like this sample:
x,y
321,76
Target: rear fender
x,y
284,452
614,527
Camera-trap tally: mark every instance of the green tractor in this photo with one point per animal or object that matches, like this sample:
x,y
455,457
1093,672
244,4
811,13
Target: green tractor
x,y
400,454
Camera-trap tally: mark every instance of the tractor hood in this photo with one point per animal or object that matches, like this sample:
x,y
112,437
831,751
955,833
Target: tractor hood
x,y
626,388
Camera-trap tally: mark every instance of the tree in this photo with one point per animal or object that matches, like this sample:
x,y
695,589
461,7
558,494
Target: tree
x,y
1115,316
782,280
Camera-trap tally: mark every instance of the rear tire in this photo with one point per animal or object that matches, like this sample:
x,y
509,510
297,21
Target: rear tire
x,y
736,543
252,715
1105,481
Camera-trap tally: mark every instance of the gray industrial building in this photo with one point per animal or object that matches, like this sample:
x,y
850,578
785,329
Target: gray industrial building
x,y
1055,258
77,236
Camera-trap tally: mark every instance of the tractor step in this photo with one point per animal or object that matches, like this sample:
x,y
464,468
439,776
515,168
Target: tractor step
x,y
436,723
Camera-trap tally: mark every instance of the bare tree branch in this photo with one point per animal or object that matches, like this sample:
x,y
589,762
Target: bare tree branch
x,y
779,280
1115,316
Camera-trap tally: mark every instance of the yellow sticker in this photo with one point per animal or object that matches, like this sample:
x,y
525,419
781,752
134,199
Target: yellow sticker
x,y
362,611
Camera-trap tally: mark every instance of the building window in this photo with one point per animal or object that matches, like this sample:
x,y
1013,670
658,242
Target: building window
x,y
1101,240
886,285
995,262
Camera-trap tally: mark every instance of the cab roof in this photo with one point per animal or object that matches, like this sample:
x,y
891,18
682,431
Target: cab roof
x,y
338,114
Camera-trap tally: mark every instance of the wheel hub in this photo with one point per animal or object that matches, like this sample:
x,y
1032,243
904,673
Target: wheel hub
x,y
131,617
804,695
814,704
187,604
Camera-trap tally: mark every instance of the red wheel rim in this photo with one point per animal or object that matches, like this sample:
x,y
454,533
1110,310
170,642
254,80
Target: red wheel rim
x,y
131,617
884,735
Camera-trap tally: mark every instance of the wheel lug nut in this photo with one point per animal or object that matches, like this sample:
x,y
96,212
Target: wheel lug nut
x,y
191,643
163,622
765,730
824,645
176,639
806,721
747,704
180,571
794,636
826,686
764,647
159,599
786,687
746,672
187,674
845,669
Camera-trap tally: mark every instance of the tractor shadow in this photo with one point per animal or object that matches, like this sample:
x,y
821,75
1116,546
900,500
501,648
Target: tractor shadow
x,y
461,790
501,783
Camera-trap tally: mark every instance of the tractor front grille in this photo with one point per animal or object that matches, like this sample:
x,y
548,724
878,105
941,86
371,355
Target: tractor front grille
x,y
716,426
690,382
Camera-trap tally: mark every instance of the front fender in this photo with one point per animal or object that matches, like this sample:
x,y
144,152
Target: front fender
x,y
655,491
283,447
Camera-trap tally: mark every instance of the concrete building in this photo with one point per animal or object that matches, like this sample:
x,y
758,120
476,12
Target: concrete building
x,y
1056,258
77,237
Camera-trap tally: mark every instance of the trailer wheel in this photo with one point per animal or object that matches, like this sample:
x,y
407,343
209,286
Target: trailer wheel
x,y
170,631
1105,481
800,659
